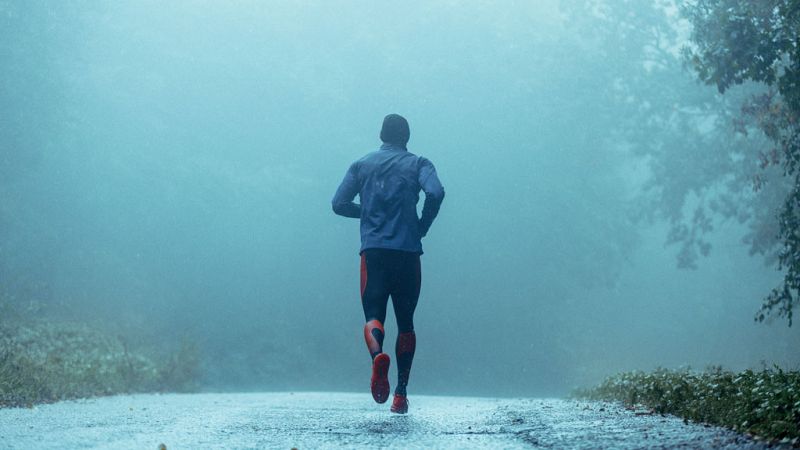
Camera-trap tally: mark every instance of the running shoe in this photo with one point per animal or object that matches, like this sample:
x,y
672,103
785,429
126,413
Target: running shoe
x,y
399,404
380,378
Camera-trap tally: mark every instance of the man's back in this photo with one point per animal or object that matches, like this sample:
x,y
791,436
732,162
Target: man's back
x,y
388,182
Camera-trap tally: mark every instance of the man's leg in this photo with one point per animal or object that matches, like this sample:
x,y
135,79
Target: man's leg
x,y
404,301
373,335
405,347
374,296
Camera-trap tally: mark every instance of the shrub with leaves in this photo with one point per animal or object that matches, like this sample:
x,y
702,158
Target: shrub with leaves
x,y
764,403
45,361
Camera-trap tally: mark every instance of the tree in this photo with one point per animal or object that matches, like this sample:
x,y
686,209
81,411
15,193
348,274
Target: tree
x,y
703,164
734,42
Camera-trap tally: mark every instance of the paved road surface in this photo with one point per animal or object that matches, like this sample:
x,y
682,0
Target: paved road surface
x,y
333,420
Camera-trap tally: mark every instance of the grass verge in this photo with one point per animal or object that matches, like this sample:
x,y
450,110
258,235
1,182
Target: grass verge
x,y
45,361
765,404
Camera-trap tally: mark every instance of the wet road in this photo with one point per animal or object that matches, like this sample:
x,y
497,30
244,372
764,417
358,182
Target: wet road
x,y
332,420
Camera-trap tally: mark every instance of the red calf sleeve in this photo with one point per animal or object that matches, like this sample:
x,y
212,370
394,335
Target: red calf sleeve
x,y
406,343
373,335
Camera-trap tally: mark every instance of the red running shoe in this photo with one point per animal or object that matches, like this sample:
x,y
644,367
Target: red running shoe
x,y
380,378
399,404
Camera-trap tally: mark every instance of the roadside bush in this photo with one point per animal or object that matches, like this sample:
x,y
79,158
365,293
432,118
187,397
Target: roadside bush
x,y
44,361
764,403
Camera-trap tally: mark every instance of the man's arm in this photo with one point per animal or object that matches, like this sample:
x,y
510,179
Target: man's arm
x,y
434,194
342,203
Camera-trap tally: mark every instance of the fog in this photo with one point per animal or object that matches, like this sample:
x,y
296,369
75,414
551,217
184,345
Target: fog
x,y
166,171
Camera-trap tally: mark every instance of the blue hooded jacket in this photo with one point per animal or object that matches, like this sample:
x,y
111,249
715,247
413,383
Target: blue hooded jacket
x,y
388,182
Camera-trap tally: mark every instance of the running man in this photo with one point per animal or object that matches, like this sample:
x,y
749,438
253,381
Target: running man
x,y
388,182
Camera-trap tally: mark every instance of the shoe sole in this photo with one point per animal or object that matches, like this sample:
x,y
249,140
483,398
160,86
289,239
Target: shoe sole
x,y
380,378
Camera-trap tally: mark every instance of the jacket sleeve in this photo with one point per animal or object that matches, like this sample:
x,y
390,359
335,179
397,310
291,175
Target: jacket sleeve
x,y
434,194
342,203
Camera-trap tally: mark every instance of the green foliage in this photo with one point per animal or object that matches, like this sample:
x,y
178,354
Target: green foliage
x,y
698,171
741,40
46,361
738,41
765,403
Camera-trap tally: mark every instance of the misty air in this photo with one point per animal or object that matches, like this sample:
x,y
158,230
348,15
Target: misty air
x,y
360,224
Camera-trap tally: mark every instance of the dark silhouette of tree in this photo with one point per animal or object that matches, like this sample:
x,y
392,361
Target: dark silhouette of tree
x,y
738,41
702,154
